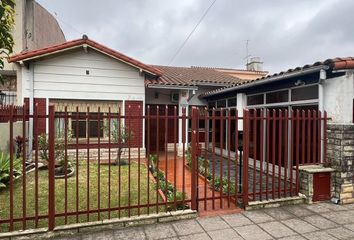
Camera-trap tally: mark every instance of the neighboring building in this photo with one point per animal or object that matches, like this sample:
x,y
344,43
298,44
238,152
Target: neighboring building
x,y
34,28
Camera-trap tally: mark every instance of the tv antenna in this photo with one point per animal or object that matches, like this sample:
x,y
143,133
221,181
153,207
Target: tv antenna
x,y
247,51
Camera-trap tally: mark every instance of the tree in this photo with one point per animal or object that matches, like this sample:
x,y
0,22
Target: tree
x,y
7,14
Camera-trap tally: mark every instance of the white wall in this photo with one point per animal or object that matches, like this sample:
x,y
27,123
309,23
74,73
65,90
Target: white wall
x,y
64,77
165,96
338,98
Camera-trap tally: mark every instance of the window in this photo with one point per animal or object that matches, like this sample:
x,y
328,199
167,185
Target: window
x,y
221,103
304,93
231,102
83,127
255,99
276,97
211,104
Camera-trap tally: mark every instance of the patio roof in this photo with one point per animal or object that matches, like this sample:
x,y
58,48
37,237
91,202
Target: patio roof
x,y
334,64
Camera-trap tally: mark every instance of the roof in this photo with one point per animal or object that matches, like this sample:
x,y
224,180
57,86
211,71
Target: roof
x,y
334,64
84,41
192,76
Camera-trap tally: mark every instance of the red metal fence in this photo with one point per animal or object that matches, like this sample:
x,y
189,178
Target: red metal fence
x,y
87,169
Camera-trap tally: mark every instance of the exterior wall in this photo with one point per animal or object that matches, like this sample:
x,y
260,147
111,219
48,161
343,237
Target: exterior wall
x,y
41,27
340,155
5,134
338,98
45,28
84,76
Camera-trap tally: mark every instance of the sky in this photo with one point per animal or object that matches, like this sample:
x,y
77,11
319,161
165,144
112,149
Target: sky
x,y
283,33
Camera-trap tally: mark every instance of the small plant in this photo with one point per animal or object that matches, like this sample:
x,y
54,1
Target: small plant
x,y
59,147
152,162
218,185
19,140
5,169
120,135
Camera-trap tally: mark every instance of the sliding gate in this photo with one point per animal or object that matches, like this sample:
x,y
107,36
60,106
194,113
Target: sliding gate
x,y
253,155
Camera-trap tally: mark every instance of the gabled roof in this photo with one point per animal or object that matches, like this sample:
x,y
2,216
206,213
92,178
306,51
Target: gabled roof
x,y
83,42
333,64
192,76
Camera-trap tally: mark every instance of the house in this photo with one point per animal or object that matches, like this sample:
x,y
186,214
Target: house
x,y
327,86
34,28
85,74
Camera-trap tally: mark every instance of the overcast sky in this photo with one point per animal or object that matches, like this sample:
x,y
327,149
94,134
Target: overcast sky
x,y
284,33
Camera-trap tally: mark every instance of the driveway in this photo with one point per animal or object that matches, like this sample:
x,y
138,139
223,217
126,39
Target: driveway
x,y
317,221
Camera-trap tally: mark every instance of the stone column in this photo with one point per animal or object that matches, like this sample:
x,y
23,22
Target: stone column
x,y
340,155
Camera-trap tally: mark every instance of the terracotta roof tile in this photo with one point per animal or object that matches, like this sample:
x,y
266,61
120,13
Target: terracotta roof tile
x,y
192,76
79,42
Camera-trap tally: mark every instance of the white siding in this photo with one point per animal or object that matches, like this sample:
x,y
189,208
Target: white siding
x,y
64,77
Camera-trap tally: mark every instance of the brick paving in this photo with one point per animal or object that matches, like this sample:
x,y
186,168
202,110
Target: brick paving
x,y
318,221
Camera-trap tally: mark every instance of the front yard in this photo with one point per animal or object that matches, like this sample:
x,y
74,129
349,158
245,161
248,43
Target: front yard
x,y
116,200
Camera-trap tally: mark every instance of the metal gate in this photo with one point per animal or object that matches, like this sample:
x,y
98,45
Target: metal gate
x,y
252,156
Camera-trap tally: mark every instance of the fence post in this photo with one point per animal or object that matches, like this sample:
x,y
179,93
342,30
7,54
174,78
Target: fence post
x,y
51,170
246,124
194,200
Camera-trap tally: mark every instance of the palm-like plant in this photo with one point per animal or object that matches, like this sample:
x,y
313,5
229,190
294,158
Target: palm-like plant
x,y
5,169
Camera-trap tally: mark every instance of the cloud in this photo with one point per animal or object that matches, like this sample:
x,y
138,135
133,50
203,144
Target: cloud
x,y
283,33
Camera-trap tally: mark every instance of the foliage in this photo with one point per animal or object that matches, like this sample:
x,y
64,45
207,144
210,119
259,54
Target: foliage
x,y
169,191
5,168
7,14
19,140
59,147
218,184
152,162
203,164
120,135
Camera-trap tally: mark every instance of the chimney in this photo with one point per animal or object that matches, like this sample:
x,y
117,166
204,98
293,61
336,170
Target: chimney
x,y
255,64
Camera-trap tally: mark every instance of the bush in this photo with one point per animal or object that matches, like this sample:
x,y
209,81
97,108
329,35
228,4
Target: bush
x,y
59,146
224,185
5,169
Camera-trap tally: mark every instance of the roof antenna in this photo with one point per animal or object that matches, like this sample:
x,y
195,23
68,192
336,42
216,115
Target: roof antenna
x,y
247,51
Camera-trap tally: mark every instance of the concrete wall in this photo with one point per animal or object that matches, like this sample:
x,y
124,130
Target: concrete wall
x,y
5,134
41,27
338,98
85,76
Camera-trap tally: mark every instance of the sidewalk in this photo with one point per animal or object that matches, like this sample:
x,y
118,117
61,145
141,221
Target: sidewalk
x,y
318,221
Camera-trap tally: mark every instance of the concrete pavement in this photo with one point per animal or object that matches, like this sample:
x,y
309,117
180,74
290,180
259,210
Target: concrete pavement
x,y
318,221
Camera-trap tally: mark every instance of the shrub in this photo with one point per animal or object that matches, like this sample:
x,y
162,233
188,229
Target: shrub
x,y
59,146
224,185
5,168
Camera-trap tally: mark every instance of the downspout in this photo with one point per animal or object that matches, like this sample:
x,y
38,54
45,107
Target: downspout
x,y
31,105
323,77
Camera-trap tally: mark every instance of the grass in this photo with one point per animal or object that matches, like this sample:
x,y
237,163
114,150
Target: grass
x,y
94,189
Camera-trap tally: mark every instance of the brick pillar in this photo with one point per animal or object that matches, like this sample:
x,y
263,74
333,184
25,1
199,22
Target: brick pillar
x,y
136,125
340,154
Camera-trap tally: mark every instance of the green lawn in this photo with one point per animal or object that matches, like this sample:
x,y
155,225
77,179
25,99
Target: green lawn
x,y
71,196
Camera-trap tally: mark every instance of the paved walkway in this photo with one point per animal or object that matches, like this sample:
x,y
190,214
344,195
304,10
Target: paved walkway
x,y
203,187
319,221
